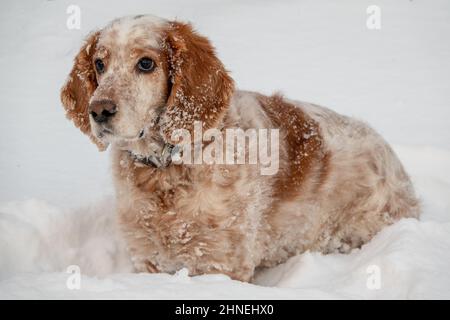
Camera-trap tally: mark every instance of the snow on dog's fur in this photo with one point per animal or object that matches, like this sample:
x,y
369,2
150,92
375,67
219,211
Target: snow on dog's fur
x,y
337,185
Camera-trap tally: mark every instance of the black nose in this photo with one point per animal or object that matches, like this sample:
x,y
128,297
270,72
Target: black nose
x,y
102,110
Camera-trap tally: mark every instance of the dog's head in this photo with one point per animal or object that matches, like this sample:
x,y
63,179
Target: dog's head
x,y
143,77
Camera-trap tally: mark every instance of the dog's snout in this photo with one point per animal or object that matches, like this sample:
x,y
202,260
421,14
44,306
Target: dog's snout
x,y
102,110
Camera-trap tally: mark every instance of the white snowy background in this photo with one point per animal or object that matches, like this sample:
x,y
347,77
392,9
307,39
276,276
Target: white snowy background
x,y
56,196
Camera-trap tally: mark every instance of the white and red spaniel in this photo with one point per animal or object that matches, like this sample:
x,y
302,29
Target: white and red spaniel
x,y
140,78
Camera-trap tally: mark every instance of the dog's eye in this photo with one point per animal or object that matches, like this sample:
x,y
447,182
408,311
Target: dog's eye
x,y
99,65
146,65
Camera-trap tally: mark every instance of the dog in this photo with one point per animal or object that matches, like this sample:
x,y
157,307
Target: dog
x,y
137,81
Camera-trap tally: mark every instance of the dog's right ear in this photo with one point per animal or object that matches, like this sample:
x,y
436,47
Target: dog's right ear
x,y
79,87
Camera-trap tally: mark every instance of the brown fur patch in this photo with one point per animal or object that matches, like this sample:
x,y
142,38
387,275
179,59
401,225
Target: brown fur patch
x,y
201,87
303,143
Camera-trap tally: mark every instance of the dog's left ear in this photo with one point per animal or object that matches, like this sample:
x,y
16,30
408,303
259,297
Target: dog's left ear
x,y
201,87
79,87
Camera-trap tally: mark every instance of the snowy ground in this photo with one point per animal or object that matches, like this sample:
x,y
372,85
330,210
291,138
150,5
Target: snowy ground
x,y
56,203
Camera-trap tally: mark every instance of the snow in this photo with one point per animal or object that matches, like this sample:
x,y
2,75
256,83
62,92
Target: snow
x,y
56,199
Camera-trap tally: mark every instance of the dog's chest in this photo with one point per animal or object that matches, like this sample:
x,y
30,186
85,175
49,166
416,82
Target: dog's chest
x,y
175,218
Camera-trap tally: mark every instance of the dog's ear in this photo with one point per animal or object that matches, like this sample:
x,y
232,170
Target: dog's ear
x,y
201,87
79,87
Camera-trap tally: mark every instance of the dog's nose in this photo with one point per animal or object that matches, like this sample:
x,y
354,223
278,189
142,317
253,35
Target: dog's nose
x,y
102,110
